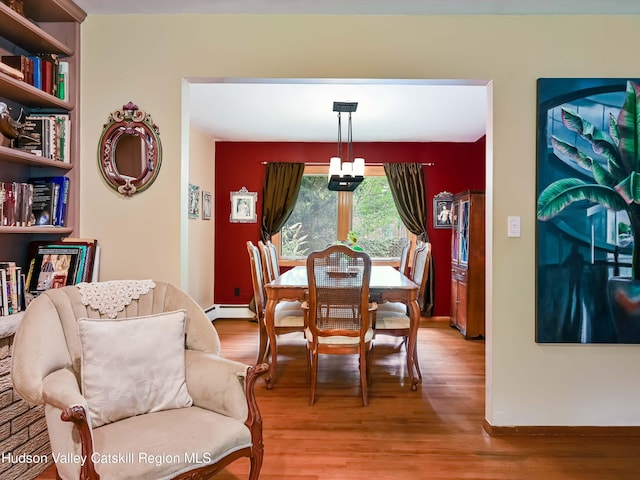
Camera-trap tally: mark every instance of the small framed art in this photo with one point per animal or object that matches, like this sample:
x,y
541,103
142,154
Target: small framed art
x,y
194,201
206,205
442,210
243,206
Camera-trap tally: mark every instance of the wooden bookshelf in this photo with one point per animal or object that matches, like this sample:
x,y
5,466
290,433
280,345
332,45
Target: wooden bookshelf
x,y
23,32
49,26
28,95
11,155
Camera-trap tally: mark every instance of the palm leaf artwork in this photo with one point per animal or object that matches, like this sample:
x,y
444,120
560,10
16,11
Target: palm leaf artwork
x,y
616,182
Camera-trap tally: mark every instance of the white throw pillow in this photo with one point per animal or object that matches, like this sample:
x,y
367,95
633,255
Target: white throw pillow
x,y
132,366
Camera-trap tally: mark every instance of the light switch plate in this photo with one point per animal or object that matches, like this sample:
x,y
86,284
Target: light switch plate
x,y
513,226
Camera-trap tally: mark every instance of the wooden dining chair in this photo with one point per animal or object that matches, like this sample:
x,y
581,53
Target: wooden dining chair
x,y
267,265
392,318
273,255
404,258
338,309
289,316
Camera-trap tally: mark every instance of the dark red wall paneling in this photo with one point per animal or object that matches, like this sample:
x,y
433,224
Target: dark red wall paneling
x,y
457,167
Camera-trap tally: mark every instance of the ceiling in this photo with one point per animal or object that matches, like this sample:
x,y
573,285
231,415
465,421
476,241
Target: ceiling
x,y
362,7
302,110
388,110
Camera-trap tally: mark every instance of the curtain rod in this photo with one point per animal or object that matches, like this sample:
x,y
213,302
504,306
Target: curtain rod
x,y
326,164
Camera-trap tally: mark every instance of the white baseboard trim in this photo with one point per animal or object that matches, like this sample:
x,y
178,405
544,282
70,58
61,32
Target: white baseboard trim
x,y
229,311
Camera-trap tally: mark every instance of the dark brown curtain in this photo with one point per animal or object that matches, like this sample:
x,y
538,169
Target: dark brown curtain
x,y
406,181
279,194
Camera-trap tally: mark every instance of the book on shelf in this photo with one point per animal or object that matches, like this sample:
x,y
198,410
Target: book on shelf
x,y
56,264
92,258
44,71
33,138
12,72
58,186
53,266
63,81
21,63
46,135
4,296
45,203
7,204
10,278
21,298
49,65
37,71
16,202
25,208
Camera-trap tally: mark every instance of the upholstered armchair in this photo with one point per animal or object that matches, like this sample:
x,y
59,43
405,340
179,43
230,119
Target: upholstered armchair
x,y
133,384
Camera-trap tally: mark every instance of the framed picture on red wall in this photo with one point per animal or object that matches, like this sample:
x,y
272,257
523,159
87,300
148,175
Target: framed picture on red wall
x,y
243,206
442,210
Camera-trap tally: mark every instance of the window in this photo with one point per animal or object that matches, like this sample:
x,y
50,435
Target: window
x,y
321,216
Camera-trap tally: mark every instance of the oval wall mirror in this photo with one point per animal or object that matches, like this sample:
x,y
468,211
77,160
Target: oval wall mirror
x,y
129,151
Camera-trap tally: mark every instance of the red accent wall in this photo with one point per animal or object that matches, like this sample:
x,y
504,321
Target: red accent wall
x,y
458,167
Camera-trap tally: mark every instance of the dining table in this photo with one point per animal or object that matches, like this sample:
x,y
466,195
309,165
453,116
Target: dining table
x,y
386,284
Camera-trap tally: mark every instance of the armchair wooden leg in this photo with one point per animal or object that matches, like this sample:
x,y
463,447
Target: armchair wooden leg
x,y
254,420
78,416
256,465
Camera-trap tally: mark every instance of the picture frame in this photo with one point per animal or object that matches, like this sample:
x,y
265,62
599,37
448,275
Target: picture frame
x,y
585,247
194,201
55,266
243,206
442,215
206,205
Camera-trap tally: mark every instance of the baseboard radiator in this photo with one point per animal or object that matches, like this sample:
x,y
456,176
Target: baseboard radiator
x,y
222,311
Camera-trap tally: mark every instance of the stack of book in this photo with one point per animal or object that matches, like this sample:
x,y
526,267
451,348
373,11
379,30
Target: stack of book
x,y
12,282
57,264
52,264
16,204
42,201
44,71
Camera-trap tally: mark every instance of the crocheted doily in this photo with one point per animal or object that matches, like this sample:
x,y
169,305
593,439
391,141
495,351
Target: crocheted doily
x,y
110,298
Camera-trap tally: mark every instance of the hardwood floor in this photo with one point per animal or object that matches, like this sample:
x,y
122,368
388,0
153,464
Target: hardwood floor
x,y
434,433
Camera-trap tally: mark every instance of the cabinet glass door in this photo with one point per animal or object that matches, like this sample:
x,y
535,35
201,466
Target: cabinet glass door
x,y
464,232
455,241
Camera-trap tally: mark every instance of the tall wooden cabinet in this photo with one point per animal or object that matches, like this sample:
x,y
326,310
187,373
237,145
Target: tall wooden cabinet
x,y
50,26
468,263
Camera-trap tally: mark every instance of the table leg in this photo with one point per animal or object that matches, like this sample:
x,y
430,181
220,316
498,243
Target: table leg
x,y
412,359
269,316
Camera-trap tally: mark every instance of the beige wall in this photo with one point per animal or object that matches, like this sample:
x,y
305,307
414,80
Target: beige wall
x,y
143,59
200,250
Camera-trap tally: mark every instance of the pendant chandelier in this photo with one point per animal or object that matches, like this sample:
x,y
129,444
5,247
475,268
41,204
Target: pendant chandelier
x,y
345,174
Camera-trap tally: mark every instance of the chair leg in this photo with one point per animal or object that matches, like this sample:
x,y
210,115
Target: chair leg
x,y
309,365
256,463
263,339
416,363
415,357
314,375
363,374
369,355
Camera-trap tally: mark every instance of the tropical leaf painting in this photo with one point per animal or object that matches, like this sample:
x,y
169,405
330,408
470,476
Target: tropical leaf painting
x,y
588,204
